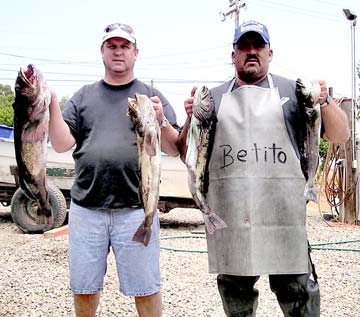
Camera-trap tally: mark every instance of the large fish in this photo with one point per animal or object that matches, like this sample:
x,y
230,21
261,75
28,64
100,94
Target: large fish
x,y
148,134
199,141
307,94
31,119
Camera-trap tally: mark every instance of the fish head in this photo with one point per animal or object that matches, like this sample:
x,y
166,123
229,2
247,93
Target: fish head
x,y
146,109
204,105
141,111
307,92
144,103
29,82
133,108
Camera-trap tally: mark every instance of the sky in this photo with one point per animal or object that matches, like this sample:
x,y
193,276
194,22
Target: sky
x,y
181,43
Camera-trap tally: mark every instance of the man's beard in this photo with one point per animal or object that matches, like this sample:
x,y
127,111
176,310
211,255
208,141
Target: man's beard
x,y
250,76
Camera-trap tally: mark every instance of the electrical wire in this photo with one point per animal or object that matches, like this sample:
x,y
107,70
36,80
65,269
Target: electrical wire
x,y
333,182
333,176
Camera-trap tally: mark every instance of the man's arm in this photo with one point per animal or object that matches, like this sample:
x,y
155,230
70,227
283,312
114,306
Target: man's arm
x,y
59,132
169,137
181,143
336,125
169,134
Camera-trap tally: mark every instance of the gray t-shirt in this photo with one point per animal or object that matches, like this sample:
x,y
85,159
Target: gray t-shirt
x,y
292,116
106,157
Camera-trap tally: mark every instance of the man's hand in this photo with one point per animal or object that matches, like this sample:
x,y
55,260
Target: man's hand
x,y
188,103
323,91
158,107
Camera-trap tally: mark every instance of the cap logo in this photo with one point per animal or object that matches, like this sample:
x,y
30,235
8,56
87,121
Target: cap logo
x,y
119,30
252,27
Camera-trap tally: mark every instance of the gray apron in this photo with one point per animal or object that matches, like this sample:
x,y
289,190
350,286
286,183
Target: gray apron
x,y
256,187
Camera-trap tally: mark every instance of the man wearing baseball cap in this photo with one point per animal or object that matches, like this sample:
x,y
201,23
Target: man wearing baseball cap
x,y
105,207
256,181
252,26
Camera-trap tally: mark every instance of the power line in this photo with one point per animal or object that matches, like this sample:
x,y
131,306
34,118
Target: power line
x,y
99,64
147,79
51,60
335,4
293,9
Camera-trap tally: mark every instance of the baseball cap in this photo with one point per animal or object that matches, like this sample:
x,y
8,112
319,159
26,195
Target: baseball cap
x,y
252,26
119,30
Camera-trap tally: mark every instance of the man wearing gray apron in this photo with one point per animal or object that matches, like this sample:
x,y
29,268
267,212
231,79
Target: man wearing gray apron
x,y
256,184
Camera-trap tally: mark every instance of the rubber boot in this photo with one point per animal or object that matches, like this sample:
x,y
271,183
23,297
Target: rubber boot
x,y
238,295
296,297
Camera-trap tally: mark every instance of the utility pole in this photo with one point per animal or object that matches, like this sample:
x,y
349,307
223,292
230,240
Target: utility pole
x,y
235,6
350,212
351,17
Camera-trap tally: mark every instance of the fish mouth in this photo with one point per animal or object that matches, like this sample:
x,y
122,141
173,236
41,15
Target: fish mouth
x,y
27,81
28,75
203,104
308,91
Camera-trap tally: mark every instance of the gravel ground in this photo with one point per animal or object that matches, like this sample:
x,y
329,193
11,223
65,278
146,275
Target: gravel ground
x,y
34,277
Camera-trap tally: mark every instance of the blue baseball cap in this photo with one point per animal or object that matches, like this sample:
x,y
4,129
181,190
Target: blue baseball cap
x,y
252,26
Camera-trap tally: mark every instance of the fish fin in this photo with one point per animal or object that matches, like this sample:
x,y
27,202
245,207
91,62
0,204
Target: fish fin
x,y
310,193
151,141
34,133
142,234
213,222
27,189
140,193
37,112
192,149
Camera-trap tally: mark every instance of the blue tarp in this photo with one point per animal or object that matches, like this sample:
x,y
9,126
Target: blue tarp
x,y
6,132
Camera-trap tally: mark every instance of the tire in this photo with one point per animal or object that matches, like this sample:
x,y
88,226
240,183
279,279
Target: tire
x,y
23,210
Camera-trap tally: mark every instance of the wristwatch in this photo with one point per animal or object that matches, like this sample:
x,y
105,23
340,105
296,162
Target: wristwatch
x,y
164,123
326,102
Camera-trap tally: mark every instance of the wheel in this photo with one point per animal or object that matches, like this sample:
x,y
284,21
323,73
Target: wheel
x,y
23,210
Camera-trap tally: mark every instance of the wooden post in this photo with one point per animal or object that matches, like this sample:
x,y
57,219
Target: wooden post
x,y
348,212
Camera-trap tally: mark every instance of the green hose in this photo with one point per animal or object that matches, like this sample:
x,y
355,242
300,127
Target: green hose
x,y
338,242
183,237
315,246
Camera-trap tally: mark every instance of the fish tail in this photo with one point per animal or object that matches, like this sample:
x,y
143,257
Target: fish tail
x,y
142,234
44,220
213,222
310,193
45,214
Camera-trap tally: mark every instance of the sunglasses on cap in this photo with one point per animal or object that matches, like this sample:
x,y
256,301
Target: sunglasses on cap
x,y
124,27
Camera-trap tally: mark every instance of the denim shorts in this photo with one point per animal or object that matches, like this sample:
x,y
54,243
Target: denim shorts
x,y
92,233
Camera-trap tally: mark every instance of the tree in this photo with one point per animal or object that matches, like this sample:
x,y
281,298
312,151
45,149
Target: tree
x,y
7,98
